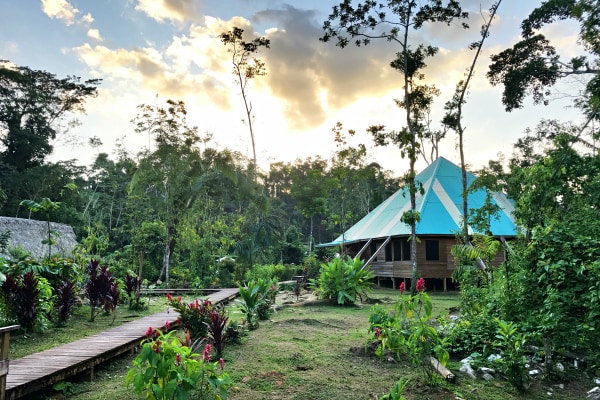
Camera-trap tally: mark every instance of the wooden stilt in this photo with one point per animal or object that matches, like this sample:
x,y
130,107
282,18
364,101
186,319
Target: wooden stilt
x,y
393,283
445,285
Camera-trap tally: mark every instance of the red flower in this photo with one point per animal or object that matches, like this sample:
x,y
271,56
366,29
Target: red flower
x,y
169,297
402,288
222,363
179,299
178,359
156,347
167,325
149,331
377,332
420,285
206,354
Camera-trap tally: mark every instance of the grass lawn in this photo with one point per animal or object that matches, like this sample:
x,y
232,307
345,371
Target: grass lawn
x,y
316,351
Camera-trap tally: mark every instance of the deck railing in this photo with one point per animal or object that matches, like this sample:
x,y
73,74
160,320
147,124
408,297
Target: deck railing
x,y
4,342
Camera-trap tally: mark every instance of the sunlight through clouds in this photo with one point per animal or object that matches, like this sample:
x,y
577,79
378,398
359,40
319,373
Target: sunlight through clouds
x,y
153,50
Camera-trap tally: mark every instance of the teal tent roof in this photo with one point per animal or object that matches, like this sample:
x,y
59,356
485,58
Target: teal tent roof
x,y
439,206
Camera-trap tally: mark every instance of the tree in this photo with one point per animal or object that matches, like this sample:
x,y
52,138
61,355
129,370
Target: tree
x,y
33,104
309,190
47,206
393,21
453,117
168,177
533,65
245,68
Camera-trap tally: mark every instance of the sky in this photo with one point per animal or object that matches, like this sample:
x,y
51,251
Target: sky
x,y
148,51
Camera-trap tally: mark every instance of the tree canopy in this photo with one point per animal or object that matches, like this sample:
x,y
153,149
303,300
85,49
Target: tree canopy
x,y
33,105
534,65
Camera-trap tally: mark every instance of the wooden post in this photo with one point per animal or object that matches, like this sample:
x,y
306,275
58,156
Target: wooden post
x,y
445,372
4,342
445,285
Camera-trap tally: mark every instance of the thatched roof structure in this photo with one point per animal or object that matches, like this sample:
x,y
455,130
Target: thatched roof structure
x,y
30,233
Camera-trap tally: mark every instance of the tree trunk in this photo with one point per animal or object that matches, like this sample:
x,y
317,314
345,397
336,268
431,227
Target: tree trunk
x,y
138,289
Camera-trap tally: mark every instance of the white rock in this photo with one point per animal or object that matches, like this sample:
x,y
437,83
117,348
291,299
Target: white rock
x,y
487,377
467,369
494,357
594,394
534,372
597,381
560,367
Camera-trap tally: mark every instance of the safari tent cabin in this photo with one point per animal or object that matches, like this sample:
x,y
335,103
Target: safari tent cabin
x,y
383,241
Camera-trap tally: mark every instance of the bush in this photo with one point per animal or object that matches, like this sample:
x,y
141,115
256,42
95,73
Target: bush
x,y
167,369
195,316
408,331
102,289
132,284
256,299
28,299
343,281
65,300
278,272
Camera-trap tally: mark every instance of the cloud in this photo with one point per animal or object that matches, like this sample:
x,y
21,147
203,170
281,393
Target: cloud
x,y
60,9
313,79
94,34
87,19
174,10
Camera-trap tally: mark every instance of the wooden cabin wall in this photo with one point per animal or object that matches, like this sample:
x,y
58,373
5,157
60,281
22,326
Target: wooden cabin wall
x,y
441,268
402,268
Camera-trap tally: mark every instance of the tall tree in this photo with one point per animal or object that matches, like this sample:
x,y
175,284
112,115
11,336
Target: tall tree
x,y
393,21
33,104
168,176
245,68
454,114
309,188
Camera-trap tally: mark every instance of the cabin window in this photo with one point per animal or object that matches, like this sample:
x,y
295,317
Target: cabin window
x,y
388,252
397,249
405,249
432,250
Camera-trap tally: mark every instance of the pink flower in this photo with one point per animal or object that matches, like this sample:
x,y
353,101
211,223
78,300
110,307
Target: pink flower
x,y
178,359
167,325
377,332
222,363
149,331
206,354
402,288
420,285
179,299
169,297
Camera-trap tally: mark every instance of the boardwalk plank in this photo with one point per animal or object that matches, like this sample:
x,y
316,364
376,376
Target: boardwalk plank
x,y
32,373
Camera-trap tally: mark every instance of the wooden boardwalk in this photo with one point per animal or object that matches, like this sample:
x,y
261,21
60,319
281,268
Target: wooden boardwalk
x,y
37,371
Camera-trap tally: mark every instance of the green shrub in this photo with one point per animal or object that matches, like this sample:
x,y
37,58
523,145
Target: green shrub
x,y
256,299
194,316
167,369
28,299
278,272
343,281
408,331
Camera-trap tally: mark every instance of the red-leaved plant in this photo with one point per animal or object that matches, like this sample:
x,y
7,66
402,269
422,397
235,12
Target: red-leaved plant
x,y
101,288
